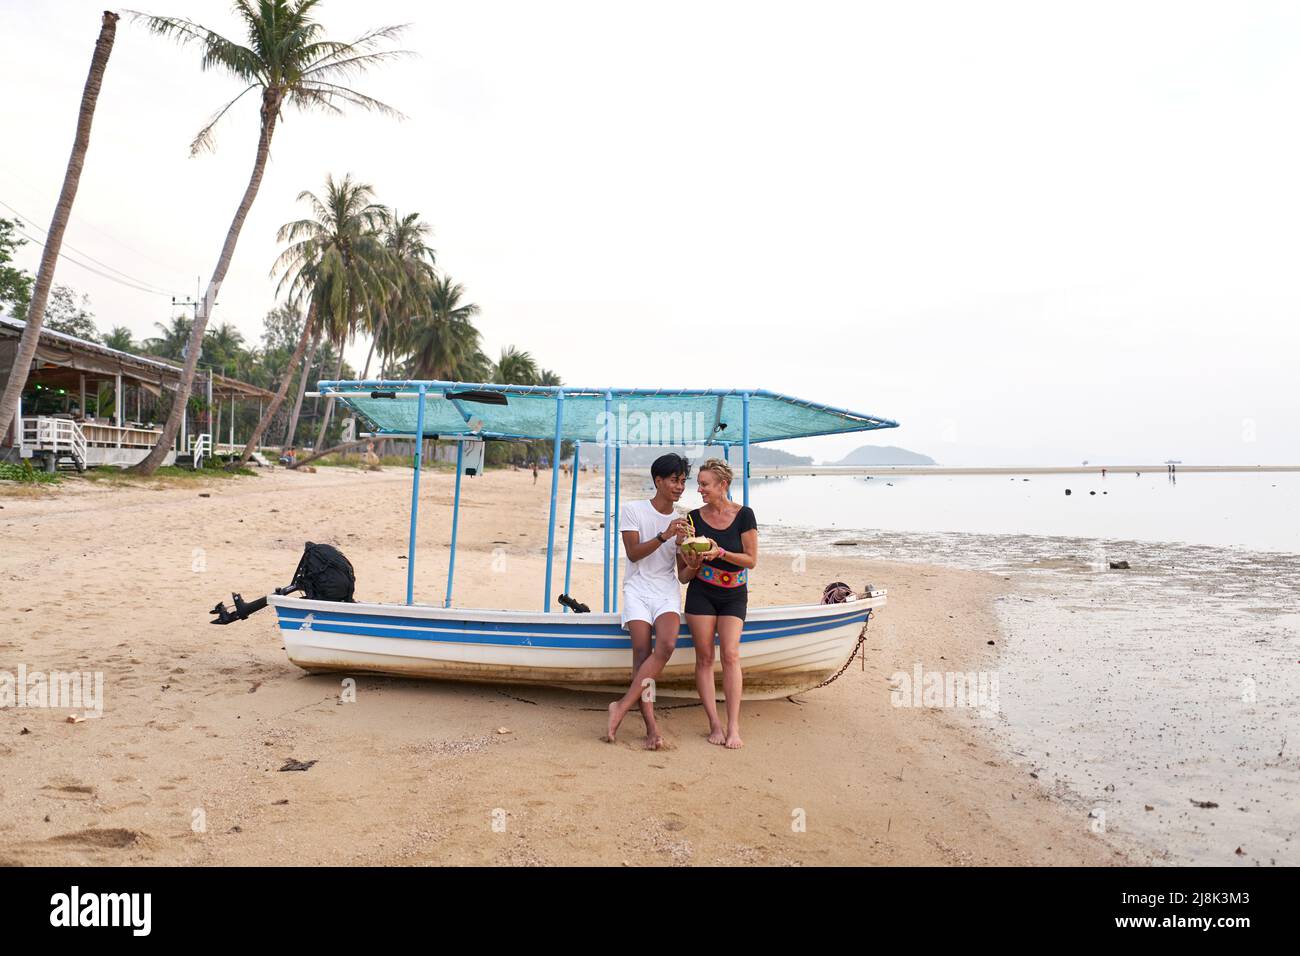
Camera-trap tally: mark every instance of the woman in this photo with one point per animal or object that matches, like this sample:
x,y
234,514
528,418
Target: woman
x,y
718,593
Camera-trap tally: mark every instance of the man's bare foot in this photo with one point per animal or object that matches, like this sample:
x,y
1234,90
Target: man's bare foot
x,y
716,736
615,718
733,740
653,741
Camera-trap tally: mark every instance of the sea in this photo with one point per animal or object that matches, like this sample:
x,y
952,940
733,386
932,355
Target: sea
x,y
1161,703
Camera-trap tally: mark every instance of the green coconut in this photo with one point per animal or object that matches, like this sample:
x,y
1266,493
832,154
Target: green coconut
x,y
697,544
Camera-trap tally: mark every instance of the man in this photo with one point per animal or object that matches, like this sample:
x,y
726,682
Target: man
x,y
652,597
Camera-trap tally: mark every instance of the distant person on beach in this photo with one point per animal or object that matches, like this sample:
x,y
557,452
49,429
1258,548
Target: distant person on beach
x,y
289,457
534,472
652,595
718,594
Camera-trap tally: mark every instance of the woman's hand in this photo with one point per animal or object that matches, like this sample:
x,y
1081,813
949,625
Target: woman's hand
x,y
693,559
713,553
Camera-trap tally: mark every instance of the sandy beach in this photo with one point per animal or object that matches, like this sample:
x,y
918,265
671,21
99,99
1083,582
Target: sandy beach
x,y
183,767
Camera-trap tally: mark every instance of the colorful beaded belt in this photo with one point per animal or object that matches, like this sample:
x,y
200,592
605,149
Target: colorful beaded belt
x,y
723,579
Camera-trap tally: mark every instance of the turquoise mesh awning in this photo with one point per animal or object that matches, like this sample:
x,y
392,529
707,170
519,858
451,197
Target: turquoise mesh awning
x,y
636,416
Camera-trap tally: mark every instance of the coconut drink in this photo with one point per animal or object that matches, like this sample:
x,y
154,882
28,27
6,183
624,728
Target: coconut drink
x,y
695,542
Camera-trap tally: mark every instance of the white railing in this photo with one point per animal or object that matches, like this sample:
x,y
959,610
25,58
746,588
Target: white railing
x,y
59,435
200,446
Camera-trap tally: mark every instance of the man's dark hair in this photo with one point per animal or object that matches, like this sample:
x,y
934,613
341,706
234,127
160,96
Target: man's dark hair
x,y
666,466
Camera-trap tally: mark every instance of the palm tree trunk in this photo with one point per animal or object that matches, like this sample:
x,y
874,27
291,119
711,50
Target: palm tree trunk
x,y
283,390
329,404
270,111
58,225
302,390
378,332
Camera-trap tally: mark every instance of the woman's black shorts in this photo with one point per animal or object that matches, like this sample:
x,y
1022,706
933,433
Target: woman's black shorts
x,y
703,598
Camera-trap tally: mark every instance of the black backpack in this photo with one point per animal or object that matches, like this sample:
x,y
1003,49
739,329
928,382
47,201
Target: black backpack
x,y
324,574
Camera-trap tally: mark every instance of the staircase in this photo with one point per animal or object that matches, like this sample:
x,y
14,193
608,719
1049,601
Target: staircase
x,y
200,448
60,441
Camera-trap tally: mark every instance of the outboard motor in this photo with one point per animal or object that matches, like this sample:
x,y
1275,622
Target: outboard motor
x,y
323,574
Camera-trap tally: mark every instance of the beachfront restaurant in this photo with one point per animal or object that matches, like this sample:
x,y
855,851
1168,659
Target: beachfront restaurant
x,y
86,404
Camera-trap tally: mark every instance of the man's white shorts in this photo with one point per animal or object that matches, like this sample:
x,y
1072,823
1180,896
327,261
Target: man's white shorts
x,y
638,606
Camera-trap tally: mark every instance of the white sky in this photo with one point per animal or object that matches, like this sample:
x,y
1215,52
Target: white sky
x,y
1030,232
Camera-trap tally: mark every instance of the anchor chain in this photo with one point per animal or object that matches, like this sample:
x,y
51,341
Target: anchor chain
x,y
862,636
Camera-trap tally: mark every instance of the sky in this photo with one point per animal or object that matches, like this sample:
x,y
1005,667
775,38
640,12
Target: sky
x,y
1031,233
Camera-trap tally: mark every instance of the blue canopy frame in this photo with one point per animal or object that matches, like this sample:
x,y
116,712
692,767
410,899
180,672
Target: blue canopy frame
x,y
463,411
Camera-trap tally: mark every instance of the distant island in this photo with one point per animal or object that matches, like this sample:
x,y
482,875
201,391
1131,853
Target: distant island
x,y
882,455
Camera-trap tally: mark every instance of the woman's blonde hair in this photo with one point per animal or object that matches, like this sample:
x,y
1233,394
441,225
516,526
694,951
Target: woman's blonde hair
x,y
719,467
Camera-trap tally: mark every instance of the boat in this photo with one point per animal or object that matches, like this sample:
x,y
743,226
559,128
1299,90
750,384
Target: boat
x,y
784,649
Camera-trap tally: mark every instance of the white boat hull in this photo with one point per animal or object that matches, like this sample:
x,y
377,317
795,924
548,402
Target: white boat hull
x,y
783,650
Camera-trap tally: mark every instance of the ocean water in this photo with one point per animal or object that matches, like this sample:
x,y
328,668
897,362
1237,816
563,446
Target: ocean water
x,y
1254,510
1161,703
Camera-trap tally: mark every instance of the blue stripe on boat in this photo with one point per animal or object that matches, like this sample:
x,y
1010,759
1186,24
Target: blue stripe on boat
x,y
504,633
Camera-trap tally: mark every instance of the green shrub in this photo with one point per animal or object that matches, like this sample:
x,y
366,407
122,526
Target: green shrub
x,y
24,472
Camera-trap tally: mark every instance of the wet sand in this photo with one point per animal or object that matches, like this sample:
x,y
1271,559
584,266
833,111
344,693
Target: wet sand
x,y
183,767
1164,700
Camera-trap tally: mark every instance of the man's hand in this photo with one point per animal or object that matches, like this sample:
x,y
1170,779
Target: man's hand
x,y
677,528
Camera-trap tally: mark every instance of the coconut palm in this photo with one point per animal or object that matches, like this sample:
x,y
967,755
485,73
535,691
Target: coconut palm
x,y
410,265
289,61
223,348
17,380
340,251
302,387
120,338
445,340
174,339
515,368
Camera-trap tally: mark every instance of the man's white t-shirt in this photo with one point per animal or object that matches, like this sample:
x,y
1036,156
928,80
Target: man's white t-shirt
x,y
656,573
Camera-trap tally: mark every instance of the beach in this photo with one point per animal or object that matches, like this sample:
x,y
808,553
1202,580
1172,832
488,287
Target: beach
x,y
184,765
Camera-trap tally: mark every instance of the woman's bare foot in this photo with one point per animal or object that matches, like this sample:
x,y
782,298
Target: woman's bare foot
x,y
653,741
615,718
733,739
716,736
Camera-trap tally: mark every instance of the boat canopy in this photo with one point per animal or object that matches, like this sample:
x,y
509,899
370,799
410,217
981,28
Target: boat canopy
x,y
612,418
618,416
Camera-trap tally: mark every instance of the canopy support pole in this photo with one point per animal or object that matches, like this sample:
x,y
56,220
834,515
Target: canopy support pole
x,y
455,521
745,438
726,456
618,544
573,507
555,487
415,499
609,400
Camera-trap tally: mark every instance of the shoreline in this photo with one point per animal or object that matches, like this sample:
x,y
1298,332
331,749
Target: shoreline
x,y
814,470
198,721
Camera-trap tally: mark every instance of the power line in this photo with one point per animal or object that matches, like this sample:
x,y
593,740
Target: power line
x,y
140,283
110,278
82,221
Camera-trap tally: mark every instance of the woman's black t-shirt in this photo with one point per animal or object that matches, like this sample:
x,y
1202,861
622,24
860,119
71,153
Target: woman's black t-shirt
x,y
728,539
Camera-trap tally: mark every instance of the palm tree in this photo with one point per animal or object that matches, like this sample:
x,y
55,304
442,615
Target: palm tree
x,y
340,252
515,368
173,341
410,262
58,224
120,338
290,62
302,388
223,347
444,341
